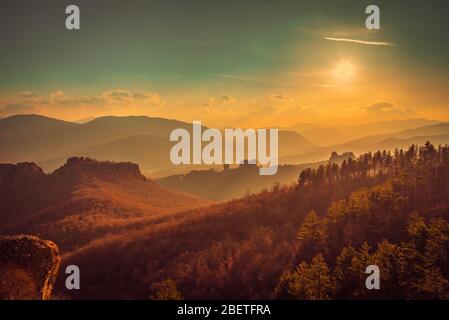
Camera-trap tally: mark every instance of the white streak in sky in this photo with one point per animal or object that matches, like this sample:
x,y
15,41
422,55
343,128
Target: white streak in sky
x,y
373,43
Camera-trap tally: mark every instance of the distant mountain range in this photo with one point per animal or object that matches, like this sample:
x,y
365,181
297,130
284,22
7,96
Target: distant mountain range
x,y
45,140
143,140
326,135
436,134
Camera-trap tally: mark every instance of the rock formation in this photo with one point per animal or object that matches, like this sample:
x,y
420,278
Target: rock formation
x,y
83,167
28,267
14,174
339,158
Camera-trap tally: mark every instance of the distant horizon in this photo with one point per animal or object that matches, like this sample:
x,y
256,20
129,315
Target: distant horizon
x,y
89,119
146,140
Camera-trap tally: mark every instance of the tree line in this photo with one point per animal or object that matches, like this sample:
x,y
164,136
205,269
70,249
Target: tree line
x,y
400,225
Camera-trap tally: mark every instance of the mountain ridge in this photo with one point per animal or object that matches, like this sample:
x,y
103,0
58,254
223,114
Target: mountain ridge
x,y
83,200
327,135
140,139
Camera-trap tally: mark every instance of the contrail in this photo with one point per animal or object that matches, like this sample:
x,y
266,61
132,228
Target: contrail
x,y
373,43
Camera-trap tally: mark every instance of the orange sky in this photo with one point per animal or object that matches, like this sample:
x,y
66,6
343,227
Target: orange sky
x,y
263,65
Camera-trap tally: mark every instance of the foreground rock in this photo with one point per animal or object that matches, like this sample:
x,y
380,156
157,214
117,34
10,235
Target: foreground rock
x,y
28,267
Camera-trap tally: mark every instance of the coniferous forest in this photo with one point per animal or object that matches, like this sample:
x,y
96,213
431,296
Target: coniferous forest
x,y
401,225
310,240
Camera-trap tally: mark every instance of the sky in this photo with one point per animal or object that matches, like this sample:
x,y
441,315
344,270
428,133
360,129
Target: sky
x,y
250,63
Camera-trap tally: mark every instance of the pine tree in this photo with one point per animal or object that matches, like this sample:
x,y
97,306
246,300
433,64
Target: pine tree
x,y
310,235
308,282
316,280
166,290
345,278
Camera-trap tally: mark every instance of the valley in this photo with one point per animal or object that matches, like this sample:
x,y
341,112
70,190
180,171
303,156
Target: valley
x,y
228,232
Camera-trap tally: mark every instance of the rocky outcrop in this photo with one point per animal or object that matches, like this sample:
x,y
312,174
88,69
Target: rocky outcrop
x,y
28,267
339,158
79,167
75,169
20,173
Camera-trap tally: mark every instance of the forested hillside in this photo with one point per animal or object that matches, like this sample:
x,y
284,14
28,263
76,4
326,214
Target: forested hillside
x,y
400,225
83,200
308,241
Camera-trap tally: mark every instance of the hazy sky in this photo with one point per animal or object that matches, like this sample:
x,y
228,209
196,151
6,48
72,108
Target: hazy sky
x,y
227,63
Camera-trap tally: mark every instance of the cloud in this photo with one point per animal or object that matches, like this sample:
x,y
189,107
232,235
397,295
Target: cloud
x,y
389,109
281,97
307,109
56,94
112,97
380,106
116,101
372,43
242,78
227,99
60,99
16,108
120,96
209,102
26,94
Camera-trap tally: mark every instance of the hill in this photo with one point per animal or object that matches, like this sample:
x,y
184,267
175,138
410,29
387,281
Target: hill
x,y
51,139
308,241
232,183
229,183
82,200
150,152
22,125
327,135
143,140
436,134
290,142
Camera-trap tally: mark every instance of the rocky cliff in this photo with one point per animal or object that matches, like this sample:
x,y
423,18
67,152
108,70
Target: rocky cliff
x,y
20,173
82,167
28,267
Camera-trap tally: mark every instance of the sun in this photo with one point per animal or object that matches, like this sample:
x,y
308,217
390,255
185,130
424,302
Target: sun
x,y
344,71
